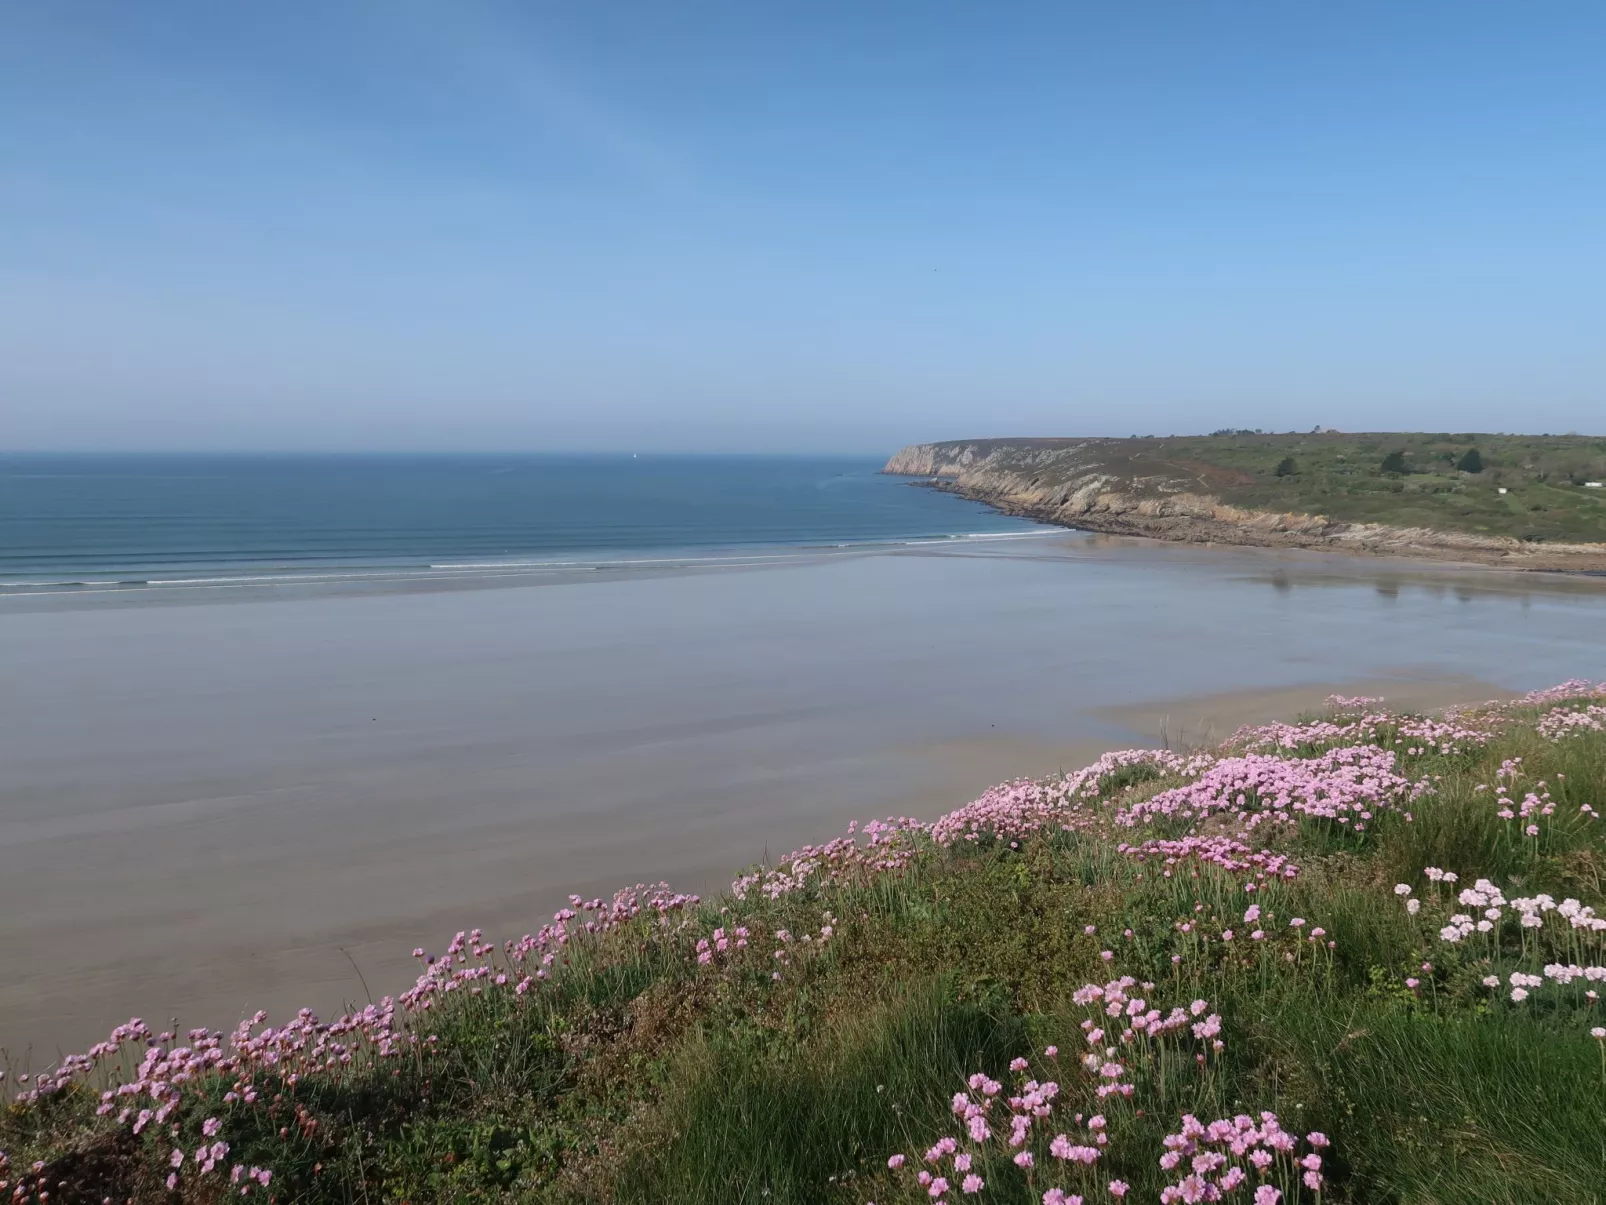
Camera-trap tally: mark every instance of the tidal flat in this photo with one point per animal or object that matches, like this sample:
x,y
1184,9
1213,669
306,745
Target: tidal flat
x,y
218,802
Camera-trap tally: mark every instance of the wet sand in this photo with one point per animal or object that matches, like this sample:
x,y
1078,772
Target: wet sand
x,y
266,798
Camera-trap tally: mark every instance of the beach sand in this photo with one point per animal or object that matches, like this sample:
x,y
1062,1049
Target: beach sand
x,y
215,804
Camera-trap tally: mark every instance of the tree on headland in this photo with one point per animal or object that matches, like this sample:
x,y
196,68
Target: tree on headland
x,y
1394,462
1286,467
1472,462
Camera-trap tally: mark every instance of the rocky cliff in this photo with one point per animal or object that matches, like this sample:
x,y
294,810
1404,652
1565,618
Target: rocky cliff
x,y
1096,485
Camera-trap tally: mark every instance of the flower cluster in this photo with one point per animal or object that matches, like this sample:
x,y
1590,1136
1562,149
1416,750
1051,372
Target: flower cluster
x,y
889,846
1227,1155
1026,1128
720,943
1572,690
1350,785
470,964
1137,1025
1561,723
156,1082
1414,736
1540,923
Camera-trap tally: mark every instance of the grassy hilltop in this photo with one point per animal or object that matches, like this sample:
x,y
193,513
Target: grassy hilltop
x,y
1446,482
1354,959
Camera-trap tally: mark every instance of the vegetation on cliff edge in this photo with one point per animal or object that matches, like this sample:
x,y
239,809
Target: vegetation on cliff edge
x,y
1531,487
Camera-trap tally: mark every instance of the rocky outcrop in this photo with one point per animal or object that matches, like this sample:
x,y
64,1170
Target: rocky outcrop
x,y
1085,484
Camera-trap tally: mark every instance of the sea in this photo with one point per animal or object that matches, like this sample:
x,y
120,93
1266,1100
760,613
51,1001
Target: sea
x,y
119,522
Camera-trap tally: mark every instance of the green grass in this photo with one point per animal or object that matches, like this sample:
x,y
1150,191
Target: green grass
x,y
637,1076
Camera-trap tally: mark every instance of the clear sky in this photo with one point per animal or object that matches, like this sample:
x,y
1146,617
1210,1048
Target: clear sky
x,y
724,226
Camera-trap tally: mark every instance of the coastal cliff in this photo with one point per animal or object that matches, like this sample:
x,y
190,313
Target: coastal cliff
x,y
1153,488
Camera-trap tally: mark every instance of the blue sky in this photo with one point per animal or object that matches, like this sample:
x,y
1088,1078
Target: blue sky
x,y
701,226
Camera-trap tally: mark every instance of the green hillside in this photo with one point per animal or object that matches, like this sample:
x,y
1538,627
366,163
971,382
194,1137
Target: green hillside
x,y
1444,481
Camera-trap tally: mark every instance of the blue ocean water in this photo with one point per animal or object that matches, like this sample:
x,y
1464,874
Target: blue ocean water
x,y
75,520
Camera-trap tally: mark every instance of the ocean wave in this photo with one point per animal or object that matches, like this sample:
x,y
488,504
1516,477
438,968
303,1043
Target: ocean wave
x,y
449,570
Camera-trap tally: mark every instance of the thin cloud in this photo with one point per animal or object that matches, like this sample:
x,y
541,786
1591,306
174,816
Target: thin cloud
x,y
488,53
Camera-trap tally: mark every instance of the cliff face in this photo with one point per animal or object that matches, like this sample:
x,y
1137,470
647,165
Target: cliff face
x,y
1090,485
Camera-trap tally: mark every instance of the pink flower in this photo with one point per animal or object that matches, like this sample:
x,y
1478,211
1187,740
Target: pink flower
x,y
1317,1139
938,1187
211,1126
1267,1195
176,1159
1119,1188
972,1184
1017,1064
895,1162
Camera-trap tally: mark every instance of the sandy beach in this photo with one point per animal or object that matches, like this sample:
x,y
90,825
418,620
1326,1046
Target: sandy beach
x,y
218,802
